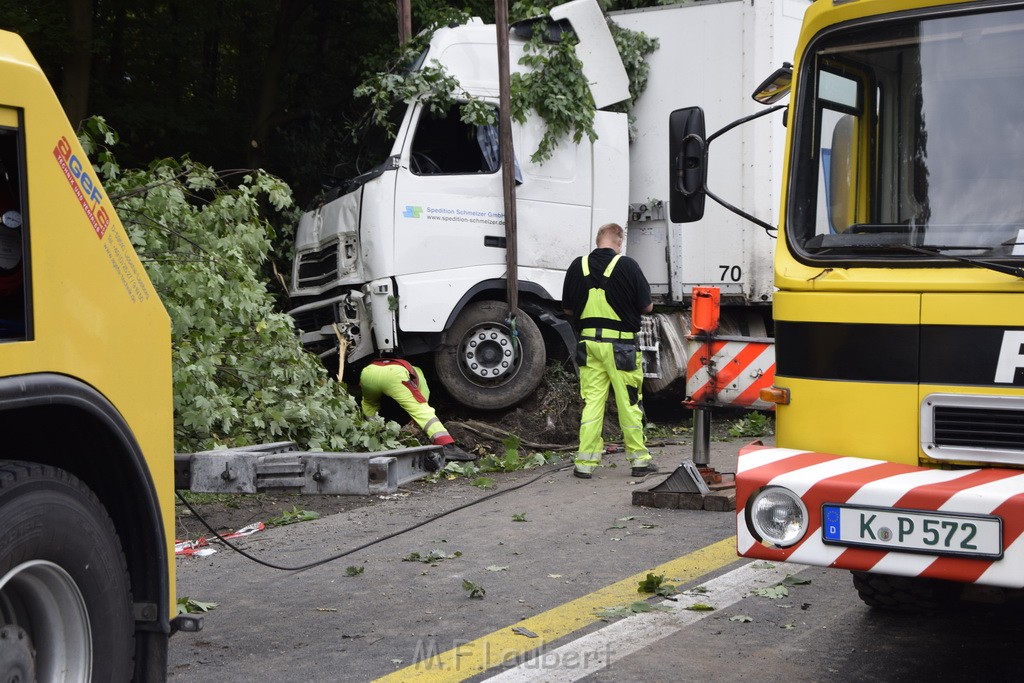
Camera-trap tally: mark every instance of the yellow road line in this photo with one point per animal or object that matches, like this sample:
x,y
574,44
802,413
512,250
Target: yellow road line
x,y
471,658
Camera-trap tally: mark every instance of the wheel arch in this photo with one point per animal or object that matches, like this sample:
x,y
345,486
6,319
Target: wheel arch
x,y
62,422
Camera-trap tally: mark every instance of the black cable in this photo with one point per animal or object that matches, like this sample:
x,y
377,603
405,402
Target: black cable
x,y
332,558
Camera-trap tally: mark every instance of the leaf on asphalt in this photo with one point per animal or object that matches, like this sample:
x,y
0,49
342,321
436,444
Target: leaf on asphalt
x,y
639,607
648,526
293,516
789,627
483,483
189,606
794,581
521,517
700,607
433,557
496,568
763,565
354,571
699,590
626,519
474,590
616,526
742,618
524,631
772,593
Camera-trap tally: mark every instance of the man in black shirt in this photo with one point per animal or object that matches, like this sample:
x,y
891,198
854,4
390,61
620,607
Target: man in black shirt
x,y
607,292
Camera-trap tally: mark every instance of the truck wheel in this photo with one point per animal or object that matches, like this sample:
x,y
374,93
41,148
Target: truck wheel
x,y
904,594
65,597
482,366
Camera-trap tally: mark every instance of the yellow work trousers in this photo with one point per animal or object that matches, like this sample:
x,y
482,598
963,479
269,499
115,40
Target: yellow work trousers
x,y
596,377
394,381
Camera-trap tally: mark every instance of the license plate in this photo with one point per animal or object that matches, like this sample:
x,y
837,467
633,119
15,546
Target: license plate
x,y
914,531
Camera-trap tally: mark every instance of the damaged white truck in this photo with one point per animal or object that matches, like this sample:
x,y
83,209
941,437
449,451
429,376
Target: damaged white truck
x,y
410,256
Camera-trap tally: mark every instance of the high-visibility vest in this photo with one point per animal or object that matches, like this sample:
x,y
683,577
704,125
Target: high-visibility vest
x,y
597,312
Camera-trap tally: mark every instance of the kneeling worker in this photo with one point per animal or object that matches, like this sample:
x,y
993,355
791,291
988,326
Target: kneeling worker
x,y
405,383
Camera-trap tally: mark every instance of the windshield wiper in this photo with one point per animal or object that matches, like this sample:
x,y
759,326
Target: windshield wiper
x,y
889,243
935,251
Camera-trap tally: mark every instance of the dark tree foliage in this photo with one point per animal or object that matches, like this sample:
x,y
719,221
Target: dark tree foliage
x,y
231,83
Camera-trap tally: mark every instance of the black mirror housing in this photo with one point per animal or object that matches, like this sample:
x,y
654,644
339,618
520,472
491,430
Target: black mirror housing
x,y
687,165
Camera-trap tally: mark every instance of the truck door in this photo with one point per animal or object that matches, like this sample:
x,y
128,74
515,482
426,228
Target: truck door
x,y
449,208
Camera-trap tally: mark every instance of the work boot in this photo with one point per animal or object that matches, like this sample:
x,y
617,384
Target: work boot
x,y
579,474
456,454
647,468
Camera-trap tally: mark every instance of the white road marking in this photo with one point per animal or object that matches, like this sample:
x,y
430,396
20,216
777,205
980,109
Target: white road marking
x,y
596,650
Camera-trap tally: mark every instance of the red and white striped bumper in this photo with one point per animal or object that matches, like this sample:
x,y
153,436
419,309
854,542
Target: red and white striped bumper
x,y
820,478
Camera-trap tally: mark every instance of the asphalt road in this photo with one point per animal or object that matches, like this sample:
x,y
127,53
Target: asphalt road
x,y
581,548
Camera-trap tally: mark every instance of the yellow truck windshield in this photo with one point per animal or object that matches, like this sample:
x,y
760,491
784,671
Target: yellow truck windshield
x,y
909,142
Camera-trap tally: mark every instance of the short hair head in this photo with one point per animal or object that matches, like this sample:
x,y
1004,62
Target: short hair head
x,y
611,235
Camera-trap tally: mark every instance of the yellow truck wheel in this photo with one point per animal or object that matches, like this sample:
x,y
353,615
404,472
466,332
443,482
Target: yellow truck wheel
x,y
65,597
905,594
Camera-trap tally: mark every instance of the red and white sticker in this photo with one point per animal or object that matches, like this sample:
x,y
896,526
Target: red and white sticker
x,y
729,372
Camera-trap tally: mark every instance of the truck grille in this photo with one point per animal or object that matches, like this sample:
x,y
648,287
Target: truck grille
x,y
314,319
317,268
959,427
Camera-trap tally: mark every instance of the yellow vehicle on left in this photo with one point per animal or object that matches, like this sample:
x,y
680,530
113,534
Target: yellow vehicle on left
x,y
86,432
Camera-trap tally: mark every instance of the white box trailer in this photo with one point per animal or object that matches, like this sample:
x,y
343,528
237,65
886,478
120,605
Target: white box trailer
x,y
410,257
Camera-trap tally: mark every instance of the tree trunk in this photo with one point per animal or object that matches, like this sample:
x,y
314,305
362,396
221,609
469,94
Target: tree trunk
x,y
77,68
288,14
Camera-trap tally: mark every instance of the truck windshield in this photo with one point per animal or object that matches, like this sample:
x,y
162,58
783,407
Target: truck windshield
x,y
911,134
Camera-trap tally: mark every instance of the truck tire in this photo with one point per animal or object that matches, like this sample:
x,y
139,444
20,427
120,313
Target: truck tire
x,y
482,366
64,584
905,594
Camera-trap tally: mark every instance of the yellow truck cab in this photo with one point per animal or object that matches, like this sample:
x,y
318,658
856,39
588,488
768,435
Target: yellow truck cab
x,y
86,467
899,320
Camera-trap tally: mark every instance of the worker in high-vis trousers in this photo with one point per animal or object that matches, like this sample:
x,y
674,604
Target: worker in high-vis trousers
x,y
607,293
405,383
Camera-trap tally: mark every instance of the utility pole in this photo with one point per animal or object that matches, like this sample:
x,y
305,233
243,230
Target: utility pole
x,y
508,164
404,10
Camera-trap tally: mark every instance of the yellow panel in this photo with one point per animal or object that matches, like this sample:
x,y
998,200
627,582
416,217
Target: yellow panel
x,y
8,117
1000,310
859,419
847,307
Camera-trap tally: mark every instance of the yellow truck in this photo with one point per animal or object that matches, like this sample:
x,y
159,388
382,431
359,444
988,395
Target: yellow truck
x,y
86,468
899,316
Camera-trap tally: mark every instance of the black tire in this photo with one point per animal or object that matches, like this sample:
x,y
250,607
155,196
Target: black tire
x,y
58,547
481,343
905,594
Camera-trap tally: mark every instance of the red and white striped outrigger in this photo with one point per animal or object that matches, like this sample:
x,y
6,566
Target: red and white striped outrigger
x,y
725,371
821,478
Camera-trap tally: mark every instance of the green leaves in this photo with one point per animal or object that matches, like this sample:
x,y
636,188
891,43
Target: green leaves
x,y
629,610
656,584
240,373
752,424
431,558
474,590
187,605
293,516
554,87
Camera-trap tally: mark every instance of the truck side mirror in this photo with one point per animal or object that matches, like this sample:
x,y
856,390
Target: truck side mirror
x,y
687,164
